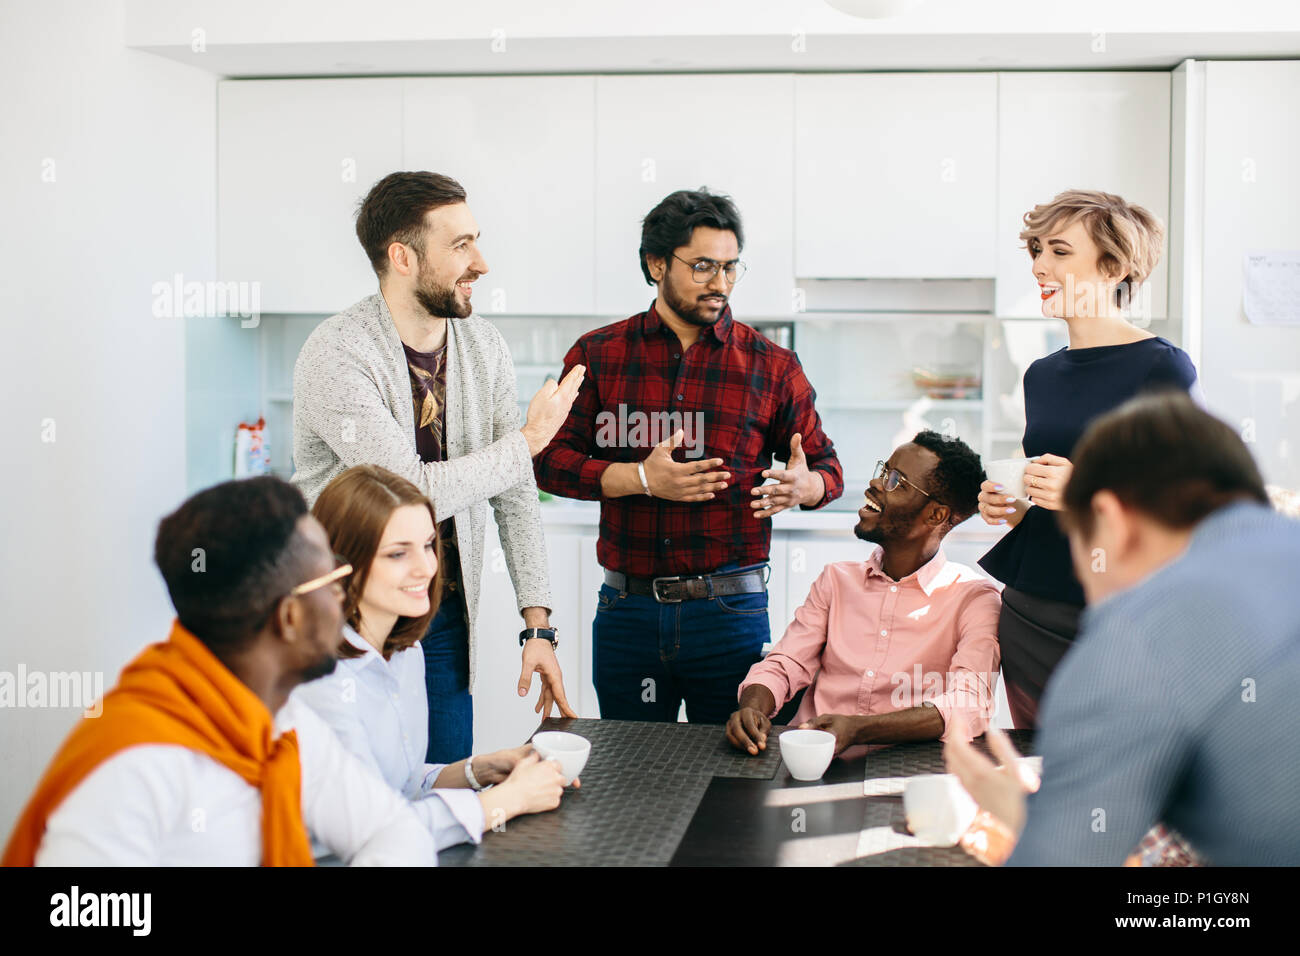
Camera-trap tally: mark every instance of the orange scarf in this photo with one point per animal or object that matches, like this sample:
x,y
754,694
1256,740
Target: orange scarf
x,y
178,692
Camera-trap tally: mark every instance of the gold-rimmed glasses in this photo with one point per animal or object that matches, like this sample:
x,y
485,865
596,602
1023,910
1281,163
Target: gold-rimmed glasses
x,y
338,574
892,477
703,270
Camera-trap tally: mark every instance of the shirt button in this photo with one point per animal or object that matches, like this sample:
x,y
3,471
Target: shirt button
x,y
893,587
884,633
677,355
668,540
871,673
681,398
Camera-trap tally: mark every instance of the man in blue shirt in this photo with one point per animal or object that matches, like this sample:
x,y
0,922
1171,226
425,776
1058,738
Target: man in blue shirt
x,y
1178,703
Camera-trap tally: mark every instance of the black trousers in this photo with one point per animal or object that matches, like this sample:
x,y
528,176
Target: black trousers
x,y
1034,634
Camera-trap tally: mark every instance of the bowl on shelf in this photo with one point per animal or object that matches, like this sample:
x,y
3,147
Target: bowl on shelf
x,y
947,381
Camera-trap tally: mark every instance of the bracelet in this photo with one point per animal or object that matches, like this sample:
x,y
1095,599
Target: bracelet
x,y
469,775
640,470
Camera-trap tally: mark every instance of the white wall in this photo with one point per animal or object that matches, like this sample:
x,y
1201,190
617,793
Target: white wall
x,y
132,140
1251,373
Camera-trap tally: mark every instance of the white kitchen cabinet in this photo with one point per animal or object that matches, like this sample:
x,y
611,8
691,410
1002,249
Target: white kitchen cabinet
x,y
295,156
895,175
657,134
1059,131
523,148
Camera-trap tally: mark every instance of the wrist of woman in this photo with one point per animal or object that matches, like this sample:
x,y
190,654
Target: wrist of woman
x,y
451,776
1021,507
500,804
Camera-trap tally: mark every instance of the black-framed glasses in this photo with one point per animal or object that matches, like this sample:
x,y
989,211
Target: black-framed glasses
x,y
704,270
892,477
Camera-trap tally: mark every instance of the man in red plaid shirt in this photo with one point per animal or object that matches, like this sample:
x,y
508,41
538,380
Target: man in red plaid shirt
x,y
674,430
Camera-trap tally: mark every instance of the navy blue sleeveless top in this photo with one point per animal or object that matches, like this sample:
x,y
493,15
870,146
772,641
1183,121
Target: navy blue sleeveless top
x,y
1064,392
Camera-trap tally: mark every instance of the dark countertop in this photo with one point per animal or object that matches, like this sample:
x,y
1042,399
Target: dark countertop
x,y
678,794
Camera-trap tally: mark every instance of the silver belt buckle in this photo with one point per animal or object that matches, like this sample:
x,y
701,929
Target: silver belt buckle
x,y
654,589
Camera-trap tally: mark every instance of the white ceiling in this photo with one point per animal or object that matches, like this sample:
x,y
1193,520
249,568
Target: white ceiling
x,y
711,54
242,38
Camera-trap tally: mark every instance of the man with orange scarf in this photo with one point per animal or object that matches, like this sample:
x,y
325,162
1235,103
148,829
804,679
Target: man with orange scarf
x,y
199,757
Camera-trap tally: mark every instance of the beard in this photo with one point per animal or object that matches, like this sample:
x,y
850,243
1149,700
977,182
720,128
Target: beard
x,y
890,525
689,310
442,302
873,535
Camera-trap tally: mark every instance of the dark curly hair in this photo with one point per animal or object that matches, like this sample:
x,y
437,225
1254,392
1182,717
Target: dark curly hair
x,y
956,478
671,224
1163,455
228,554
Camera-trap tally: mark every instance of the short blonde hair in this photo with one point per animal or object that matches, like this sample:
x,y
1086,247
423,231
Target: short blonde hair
x,y
1128,237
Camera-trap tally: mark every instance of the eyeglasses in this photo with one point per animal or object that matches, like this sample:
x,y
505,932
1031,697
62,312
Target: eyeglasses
x,y
893,476
705,269
338,574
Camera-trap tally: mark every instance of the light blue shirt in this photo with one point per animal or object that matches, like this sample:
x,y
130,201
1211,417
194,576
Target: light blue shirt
x,y
1179,704
379,710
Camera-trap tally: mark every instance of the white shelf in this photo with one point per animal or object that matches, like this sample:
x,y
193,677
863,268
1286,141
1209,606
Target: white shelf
x,y
914,317
903,404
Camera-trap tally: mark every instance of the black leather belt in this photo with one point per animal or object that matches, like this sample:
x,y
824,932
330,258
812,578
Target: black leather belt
x,y
691,587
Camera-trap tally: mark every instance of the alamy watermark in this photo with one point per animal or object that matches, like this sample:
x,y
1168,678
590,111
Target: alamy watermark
x,y
638,429
179,299
43,689
133,911
1083,299
965,689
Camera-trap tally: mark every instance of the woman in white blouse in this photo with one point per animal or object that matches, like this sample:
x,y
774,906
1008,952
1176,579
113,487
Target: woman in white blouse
x,y
375,701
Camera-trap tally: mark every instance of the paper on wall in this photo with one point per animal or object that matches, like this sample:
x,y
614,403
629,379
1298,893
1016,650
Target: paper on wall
x,y
1271,288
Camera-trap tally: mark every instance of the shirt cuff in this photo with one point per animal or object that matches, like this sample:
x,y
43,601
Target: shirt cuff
x,y
431,771
777,688
826,497
977,718
452,816
589,475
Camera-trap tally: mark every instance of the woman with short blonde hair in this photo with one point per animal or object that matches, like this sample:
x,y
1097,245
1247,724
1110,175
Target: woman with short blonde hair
x,y
1090,253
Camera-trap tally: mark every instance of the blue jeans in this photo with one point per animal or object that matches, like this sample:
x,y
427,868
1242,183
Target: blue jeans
x,y
648,657
446,681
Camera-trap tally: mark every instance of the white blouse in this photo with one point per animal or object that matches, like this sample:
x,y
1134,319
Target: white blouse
x,y
379,710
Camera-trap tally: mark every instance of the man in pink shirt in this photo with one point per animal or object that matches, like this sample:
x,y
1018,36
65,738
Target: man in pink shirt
x,y
892,647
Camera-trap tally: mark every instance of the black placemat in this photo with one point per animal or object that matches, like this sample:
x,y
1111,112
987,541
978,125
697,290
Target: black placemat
x,y
615,819
907,760
649,748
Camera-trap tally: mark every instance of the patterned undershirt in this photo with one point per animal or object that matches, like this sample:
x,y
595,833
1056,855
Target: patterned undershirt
x,y
429,395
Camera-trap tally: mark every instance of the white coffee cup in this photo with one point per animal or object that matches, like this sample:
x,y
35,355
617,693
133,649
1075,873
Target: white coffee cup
x,y
1009,473
938,808
570,751
807,753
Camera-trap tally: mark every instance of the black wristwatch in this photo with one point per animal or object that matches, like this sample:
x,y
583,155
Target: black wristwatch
x,y
549,633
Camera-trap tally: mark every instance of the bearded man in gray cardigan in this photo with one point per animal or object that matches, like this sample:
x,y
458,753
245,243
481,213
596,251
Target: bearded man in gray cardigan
x,y
410,380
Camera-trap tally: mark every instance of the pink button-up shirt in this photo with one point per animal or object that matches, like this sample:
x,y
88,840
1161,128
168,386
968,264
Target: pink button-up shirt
x,y
871,645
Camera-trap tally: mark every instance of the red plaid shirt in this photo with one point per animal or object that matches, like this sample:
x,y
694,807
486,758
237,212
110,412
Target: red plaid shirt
x,y
751,397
